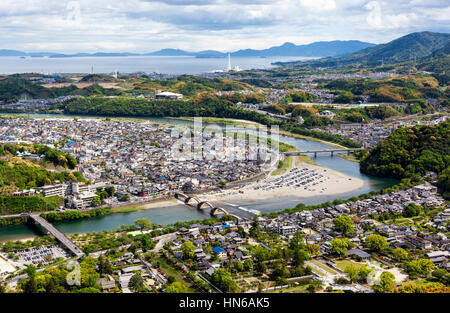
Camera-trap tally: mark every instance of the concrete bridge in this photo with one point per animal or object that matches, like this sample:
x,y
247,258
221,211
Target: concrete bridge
x,y
49,228
201,205
332,151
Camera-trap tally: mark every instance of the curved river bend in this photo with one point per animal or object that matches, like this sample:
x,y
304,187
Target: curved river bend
x,y
180,213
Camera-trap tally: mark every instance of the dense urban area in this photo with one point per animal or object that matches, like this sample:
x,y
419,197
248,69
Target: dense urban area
x,y
91,145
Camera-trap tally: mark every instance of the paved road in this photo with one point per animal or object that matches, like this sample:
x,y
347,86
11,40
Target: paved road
x,y
162,240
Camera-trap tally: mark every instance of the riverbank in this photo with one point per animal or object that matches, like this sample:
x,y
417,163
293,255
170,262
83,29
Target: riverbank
x,y
208,120
247,124
170,211
327,182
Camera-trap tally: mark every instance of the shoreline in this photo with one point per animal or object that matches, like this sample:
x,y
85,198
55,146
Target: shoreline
x,y
334,182
338,183
209,120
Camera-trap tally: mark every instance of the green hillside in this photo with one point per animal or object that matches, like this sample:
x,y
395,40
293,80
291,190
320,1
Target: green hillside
x,y
438,63
404,49
22,173
411,151
13,89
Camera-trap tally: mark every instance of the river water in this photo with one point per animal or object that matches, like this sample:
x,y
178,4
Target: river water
x,y
178,213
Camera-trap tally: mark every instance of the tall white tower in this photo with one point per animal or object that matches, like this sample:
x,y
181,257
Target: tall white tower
x,y
229,63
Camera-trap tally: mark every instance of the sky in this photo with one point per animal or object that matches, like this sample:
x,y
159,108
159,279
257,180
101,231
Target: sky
x,y
141,26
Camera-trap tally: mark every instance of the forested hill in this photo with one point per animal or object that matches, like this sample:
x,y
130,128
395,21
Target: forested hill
x,y
438,62
204,106
18,173
406,48
411,151
13,88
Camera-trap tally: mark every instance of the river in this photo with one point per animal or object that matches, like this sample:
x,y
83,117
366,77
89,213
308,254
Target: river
x,y
172,214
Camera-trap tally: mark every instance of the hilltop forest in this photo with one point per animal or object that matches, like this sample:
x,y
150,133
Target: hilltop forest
x,y
409,152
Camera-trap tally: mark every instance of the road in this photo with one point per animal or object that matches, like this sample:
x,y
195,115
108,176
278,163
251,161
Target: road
x,y
162,240
58,235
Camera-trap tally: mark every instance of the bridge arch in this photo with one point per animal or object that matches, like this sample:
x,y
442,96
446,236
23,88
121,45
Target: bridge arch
x,y
216,211
200,205
189,201
181,196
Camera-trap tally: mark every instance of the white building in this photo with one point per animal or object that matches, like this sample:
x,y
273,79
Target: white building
x,y
169,95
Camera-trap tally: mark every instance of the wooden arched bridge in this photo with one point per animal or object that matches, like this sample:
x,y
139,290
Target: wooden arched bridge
x,y
202,205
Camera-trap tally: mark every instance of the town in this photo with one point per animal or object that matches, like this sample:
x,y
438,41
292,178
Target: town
x,y
137,159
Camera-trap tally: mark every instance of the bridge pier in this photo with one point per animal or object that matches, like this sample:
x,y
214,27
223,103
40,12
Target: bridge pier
x,y
315,154
332,153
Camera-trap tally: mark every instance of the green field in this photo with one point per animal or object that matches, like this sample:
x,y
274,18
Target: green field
x,y
344,263
326,268
283,166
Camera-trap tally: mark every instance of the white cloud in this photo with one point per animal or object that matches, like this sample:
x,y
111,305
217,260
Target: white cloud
x,y
319,5
149,25
378,20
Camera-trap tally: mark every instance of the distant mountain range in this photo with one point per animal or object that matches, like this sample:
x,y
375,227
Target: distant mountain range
x,y
316,49
415,46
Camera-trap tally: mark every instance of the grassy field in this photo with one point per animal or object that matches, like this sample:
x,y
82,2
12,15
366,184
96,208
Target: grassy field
x,y
317,271
285,165
303,159
326,268
349,157
344,263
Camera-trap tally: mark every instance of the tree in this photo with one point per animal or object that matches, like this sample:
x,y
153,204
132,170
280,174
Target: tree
x,y
125,197
340,246
387,283
400,254
442,276
87,250
312,249
143,223
110,190
30,286
260,253
176,287
260,267
136,283
222,278
364,272
376,242
300,256
188,249
97,201
352,271
279,270
297,242
238,266
419,267
412,209
201,284
31,270
344,224
104,265
248,265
